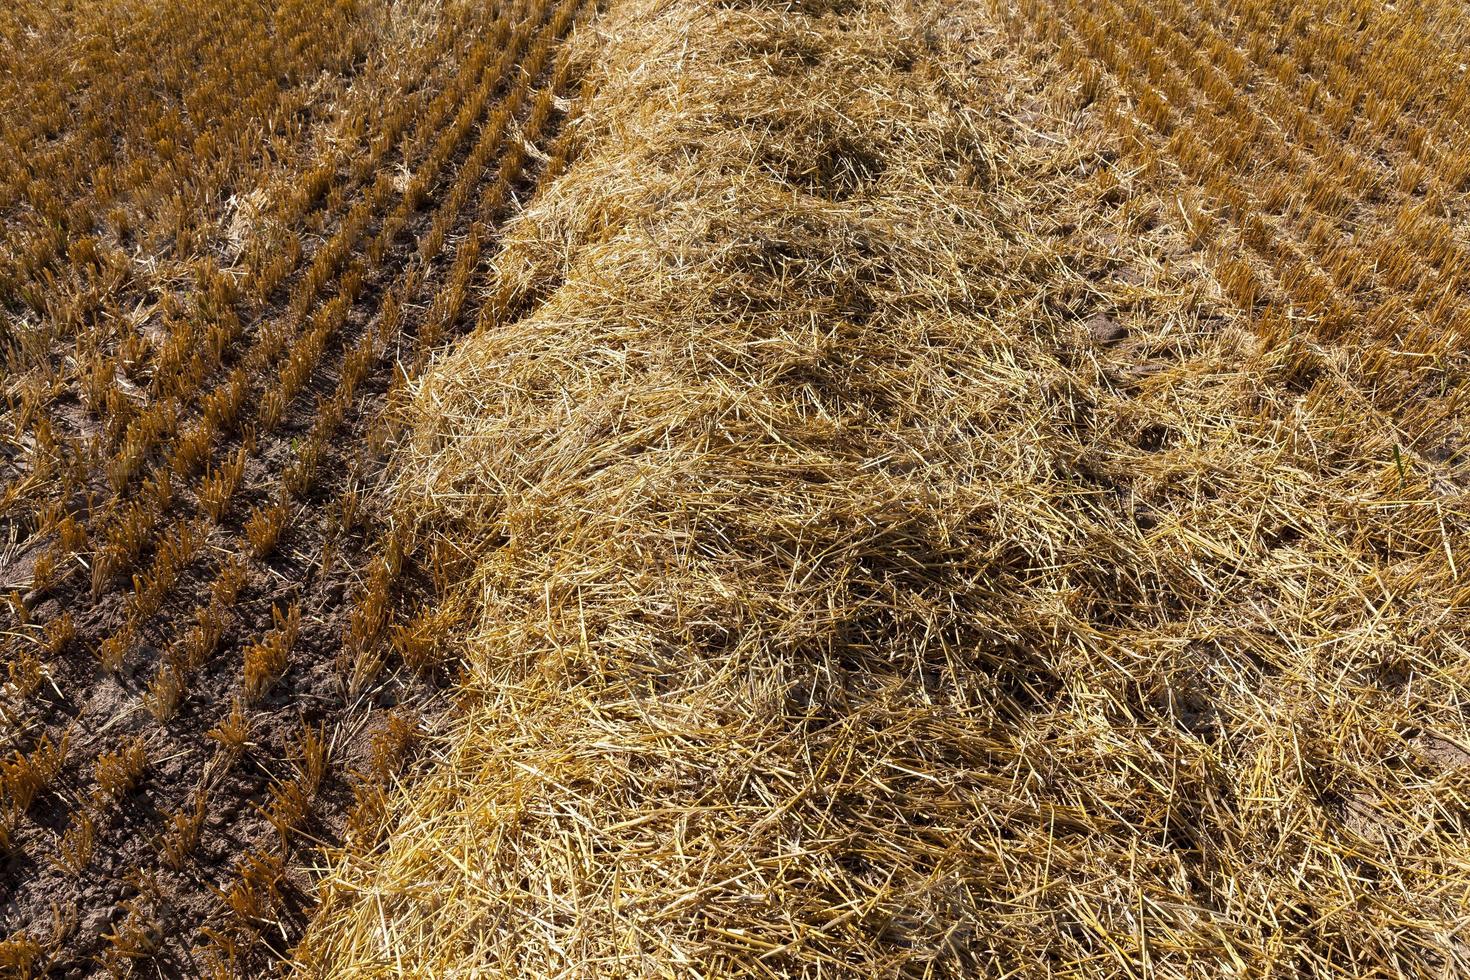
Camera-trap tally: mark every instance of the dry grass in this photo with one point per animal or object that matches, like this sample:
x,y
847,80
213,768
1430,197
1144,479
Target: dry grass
x,y
896,556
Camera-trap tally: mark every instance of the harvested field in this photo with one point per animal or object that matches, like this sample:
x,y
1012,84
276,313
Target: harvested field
x,y
686,489
222,645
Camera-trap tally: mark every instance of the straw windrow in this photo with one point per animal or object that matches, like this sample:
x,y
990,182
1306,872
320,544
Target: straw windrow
x,y
894,556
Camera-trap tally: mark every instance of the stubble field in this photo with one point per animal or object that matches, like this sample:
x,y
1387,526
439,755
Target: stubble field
x,y
689,489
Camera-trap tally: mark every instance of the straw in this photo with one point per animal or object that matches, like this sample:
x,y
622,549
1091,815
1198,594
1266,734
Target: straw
x,y
851,601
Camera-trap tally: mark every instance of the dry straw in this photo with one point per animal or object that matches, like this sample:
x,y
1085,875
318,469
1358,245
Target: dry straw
x,y
896,558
